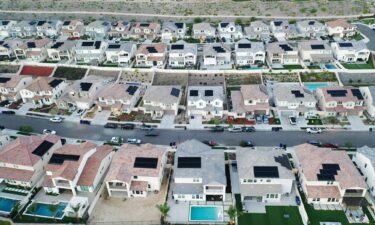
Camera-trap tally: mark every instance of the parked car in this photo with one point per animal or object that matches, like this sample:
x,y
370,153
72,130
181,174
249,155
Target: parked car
x,y
235,129
9,112
72,109
5,103
56,119
127,126
265,119
276,129
293,120
80,112
210,143
217,129
313,130
145,127
116,140
315,142
133,141
110,125
246,144
330,145
298,200
248,129
47,131
259,120
88,122
151,133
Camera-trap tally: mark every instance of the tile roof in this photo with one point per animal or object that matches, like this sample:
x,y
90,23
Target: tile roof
x,y
314,191
41,84
349,96
12,82
159,47
339,23
117,92
162,94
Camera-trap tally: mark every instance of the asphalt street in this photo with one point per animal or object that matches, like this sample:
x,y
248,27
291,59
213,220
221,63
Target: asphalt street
x,y
260,138
369,33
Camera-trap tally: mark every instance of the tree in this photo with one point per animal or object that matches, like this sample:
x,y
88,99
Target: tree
x,y
164,210
26,129
238,21
198,20
53,208
16,210
75,210
233,213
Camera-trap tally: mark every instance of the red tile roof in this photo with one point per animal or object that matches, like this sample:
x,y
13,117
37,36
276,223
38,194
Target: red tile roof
x,y
37,70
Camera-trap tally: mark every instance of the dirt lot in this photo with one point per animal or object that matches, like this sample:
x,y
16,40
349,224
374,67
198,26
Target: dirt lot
x,y
281,77
137,76
170,79
238,79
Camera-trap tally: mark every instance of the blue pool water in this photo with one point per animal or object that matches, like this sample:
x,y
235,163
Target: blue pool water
x,y
206,213
7,204
42,210
330,66
314,86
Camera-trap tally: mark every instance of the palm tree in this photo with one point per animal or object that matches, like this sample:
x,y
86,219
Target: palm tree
x,y
32,209
53,208
233,213
164,210
16,210
75,210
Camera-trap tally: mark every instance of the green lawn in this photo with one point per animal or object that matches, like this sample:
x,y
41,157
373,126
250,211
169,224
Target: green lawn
x,y
313,67
318,77
316,121
4,223
274,216
353,66
292,67
357,37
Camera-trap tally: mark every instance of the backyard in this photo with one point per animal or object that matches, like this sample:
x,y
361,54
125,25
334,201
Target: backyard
x,y
239,79
318,77
359,66
281,77
70,73
276,215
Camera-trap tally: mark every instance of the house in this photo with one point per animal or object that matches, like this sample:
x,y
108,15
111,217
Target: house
x,y
328,177
368,94
229,30
249,101
90,51
340,28
160,100
72,29
5,28
77,167
203,31
206,101
48,28
182,55
24,29
120,29
340,101
151,55
364,159
281,29
350,51
311,28
60,50
282,53
144,30
173,30
315,52
118,98
23,159
257,30
120,53
10,85
249,53
198,173
32,50
136,170
217,54
81,94
294,100
7,48
265,174
97,29
43,91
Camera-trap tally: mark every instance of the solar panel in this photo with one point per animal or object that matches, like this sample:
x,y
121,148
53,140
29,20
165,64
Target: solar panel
x,y
143,162
297,94
331,166
55,83
132,89
345,44
31,44
5,22
4,79
151,49
208,93
57,44
193,93
97,44
105,23
219,49
177,47
87,43
175,92
144,24
32,23
85,86
1,42
311,22
337,93
61,158
66,23
286,47
189,162
277,23
114,46
179,25
266,171
42,148
41,22
328,172
284,161
357,94
244,45
315,47
224,24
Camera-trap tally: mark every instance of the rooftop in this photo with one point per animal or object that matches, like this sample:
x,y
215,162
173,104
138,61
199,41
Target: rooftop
x,y
343,94
369,153
163,94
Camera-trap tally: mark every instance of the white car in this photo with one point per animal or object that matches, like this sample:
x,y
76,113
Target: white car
x,y
47,131
116,140
133,141
235,129
313,130
56,119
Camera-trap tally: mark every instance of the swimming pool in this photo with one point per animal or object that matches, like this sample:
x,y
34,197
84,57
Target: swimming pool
x,y
330,66
43,210
206,213
6,205
314,86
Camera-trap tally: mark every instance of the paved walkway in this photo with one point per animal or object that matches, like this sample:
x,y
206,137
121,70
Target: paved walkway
x,y
357,124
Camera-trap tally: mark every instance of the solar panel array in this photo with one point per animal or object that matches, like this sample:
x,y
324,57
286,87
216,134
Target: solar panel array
x,y
87,43
4,80
57,44
312,22
345,45
41,22
5,22
284,161
277,23
61,158
189,162
31,44
224,24
316,47
85,86
266,172
328,172
66,23
248,45
337,93
297,94
193,93
54,83
179,25
286,47
42,148
97,44
147,163
132,89
208,93
357,94
151,49
144,24
177,47
114,46
32,23
219,49
175,92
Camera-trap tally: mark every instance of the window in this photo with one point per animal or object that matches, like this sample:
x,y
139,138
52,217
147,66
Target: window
x,y
365,165
135,177
268,180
